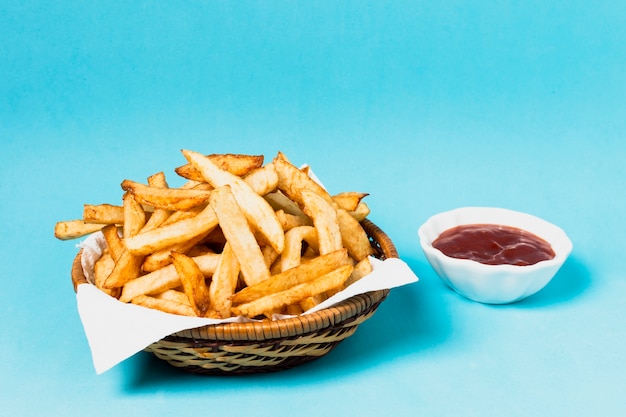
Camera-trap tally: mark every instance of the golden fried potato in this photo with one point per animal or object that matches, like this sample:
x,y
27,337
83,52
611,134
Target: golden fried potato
x,y
165,278
293,276
72,229
114,241
353,237
166,198
238,233
159,215
256,209
299,292
165,305
325,221
237,238
236,164
224,283
134,216
127,267
193,282
103,213
173,233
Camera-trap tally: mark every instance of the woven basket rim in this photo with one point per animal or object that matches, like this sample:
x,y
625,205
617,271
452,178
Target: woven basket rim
x,y
346,310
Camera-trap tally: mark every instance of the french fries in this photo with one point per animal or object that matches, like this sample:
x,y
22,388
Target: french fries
x,y
325,221
239,238
73,229
166,198
103,213
173,233
298,275
159,215
238,233
272,302
114,241
193,282
224,283
166,278
239,165
164,304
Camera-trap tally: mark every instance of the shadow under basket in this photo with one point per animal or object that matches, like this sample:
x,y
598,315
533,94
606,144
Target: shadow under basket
x,y
268,346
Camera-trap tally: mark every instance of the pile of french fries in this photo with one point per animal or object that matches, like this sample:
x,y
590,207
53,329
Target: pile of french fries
x,y
239,238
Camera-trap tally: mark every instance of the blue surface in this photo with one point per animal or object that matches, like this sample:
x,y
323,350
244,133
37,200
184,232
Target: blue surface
x,y
427,106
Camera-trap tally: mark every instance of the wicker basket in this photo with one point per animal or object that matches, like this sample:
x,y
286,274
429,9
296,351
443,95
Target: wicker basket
x,y
268,346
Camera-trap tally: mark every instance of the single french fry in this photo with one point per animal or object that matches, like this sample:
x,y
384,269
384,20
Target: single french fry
x,y
293,276
325,221
164,305
103,213
159,215
236,164
294,294
134,216
73,229
349,200
158,180
114,241
165,278
166,198
193,283
256,209
172,234
353,236
238,233
223,283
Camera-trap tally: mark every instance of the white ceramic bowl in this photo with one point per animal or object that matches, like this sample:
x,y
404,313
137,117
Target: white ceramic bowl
x,y
493,284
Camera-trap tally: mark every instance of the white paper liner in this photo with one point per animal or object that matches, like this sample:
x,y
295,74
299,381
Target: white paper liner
x,y
116,331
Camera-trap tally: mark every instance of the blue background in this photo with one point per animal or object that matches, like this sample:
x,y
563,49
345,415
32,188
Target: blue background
x,y
427,106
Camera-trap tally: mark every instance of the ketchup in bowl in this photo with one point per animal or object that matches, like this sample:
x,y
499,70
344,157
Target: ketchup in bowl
x,y
506,255
493,244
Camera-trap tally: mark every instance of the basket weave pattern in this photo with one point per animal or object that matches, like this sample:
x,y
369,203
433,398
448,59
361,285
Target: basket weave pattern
x,y
268,346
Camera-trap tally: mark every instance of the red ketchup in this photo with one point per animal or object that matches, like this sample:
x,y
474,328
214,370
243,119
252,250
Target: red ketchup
x,y
494,244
